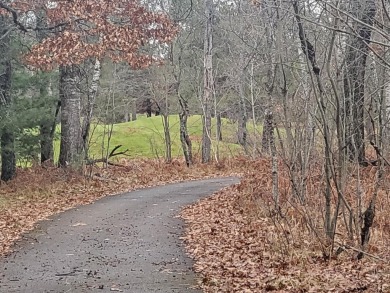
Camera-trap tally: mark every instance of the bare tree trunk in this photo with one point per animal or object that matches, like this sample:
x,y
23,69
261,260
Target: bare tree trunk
x,y
385,103
253,110
184,137
273,38
307,135
134,110
46,142
268,132
47,127
167,134
310,53
354,79
148,107
386,106
219,127
208,82
93,90
242,116
71,138
275,167
8,161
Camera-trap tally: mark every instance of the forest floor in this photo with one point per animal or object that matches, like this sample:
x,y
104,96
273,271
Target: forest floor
x,y
238,242
241,244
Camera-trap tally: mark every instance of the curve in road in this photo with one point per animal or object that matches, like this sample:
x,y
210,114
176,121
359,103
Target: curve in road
x,y
123,243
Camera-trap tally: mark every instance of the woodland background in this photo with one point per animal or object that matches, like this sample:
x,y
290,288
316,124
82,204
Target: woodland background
x,y
304,84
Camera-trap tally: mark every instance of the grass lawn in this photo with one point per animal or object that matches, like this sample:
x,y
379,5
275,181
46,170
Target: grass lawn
x,y
145,137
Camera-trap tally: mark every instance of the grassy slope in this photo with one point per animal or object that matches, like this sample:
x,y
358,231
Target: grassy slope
x,y
145,137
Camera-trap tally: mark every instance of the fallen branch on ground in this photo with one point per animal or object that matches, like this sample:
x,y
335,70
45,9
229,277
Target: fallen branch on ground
x,y
106,160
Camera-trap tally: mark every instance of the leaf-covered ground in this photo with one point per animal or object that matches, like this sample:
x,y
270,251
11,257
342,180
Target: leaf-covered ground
x,y
39,192
239,247
236,241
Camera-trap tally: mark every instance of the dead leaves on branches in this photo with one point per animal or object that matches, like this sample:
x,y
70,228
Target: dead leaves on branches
x,y
81,29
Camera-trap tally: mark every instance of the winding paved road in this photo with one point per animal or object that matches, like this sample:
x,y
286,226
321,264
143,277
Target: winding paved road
x,y
123,243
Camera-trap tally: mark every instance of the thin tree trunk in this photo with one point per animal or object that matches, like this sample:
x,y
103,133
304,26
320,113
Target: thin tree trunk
x,y
253,109
93,90
167,134
71,139
386,105
208,82
46,142
47,128
8,161
354,79
242,115
219,127
148,107
310,53
307,142
273,37
134,110
184,137
275,167
268,132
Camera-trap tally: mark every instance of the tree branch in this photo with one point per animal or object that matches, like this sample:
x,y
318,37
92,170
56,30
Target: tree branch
x,y
112,154
22,27
14,16
307,47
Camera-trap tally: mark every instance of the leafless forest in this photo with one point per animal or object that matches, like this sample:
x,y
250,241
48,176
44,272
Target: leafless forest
x,y
306,84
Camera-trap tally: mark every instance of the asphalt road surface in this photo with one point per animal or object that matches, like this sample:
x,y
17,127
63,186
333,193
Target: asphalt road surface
x,y
123,243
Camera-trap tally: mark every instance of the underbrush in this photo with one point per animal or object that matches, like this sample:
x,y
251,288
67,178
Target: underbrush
x,y
241,243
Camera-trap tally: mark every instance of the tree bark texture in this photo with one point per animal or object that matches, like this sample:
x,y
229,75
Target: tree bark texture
x,y
242,115
354,79
71,138
219,127
48,127
148,107
93,91
134,110
208,82
184,137
8,161
268,132
275,168
46,141
167,133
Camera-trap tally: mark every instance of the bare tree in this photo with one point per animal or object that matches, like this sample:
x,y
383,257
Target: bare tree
x,y
184,137
354,78
208,83
91,99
